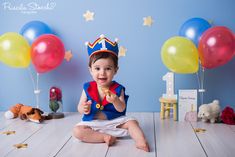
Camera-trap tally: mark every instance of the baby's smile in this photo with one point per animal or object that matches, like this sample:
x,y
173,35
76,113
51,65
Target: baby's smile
x,y
103,79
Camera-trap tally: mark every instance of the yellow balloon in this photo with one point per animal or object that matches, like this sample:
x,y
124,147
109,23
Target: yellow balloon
x,y
180,55
14,50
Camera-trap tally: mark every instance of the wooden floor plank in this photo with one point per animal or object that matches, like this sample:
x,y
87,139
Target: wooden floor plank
x,y
5,122
23,130
76,148
232,127
174,138
50,139
126,147
217,140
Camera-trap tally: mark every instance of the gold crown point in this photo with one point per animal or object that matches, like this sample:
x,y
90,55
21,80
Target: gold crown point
x,y
102,36
116,39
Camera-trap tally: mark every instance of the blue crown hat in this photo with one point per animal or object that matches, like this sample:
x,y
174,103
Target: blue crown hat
x,y
102,44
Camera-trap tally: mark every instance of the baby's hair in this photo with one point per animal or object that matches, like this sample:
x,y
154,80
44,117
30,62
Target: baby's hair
x,y
100,55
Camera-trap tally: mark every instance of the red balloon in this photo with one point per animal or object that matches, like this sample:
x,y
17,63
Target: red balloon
x,y
47,53
216,47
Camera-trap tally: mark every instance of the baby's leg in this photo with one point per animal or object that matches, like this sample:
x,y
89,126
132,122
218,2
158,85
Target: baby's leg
x,y
86,134
137,134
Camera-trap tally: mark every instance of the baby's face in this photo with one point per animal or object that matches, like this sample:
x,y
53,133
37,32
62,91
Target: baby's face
x,y
103,71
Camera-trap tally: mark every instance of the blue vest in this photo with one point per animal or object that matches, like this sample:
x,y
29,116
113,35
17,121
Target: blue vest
x,y
105,107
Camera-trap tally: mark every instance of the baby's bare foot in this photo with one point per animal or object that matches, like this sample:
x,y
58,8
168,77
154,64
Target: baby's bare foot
x,y
109,140
143,145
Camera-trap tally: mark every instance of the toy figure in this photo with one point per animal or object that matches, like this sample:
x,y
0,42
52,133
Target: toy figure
x,y
55,102
55,99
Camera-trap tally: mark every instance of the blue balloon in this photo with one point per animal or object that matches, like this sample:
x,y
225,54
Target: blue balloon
x,y
33,29
194,28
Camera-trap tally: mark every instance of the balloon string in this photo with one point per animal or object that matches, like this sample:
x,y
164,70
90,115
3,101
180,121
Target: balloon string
x,y
200,83
37,91
202,93
37,80
31,76
35,86
201,76
203,70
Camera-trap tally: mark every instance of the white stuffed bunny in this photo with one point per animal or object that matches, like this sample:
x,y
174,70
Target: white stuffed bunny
x,y
209,112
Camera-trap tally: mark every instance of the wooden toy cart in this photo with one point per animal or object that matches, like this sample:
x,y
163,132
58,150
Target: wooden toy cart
x,y
166,105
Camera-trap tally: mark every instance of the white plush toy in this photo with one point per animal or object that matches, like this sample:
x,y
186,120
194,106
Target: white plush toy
x,y
209,112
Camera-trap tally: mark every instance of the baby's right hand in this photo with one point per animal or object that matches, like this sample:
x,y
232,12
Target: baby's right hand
x,y
87,107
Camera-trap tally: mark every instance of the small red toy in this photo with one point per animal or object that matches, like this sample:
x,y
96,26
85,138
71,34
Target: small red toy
x,y
55,103
228,116
55,98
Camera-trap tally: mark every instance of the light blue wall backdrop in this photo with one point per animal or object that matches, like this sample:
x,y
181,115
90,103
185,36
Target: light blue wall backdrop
x,y
140,71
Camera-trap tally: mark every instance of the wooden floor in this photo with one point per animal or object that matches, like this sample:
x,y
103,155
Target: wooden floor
x,y
167,138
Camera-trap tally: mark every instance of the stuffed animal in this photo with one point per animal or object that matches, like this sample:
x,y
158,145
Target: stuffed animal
x,y
209,112
25,113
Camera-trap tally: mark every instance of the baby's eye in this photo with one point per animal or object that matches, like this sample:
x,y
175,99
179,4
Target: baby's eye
x,y
97,68
108,68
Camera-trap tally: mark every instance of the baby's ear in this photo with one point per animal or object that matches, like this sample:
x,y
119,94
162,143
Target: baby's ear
x,y
116,70
90,69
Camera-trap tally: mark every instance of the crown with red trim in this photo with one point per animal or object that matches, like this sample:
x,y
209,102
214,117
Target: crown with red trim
x,y
102,44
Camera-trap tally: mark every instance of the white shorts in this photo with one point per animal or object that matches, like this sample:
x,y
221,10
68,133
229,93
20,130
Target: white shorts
x,y
109,126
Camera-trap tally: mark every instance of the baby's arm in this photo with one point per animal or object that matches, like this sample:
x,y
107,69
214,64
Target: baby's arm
x,y
118,102
84,106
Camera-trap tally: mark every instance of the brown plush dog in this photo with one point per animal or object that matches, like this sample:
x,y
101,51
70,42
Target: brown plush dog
x,y
25,113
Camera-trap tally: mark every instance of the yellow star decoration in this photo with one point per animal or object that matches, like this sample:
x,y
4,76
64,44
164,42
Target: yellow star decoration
x,y
122,51
199,130
8,132
68,55
148,21
21,145
89,16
